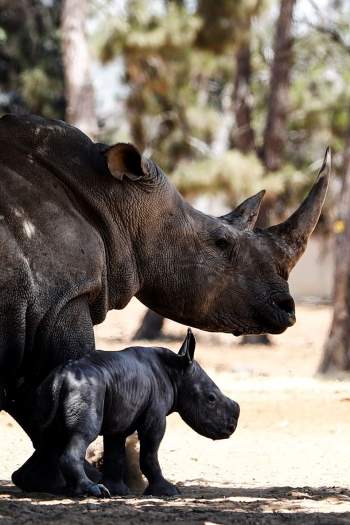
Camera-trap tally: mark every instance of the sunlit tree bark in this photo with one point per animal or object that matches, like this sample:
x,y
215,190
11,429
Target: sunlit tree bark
x,y
151,326
78,86
336,354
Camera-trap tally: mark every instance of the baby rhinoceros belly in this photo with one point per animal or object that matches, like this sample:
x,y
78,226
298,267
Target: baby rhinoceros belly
x,y
127,399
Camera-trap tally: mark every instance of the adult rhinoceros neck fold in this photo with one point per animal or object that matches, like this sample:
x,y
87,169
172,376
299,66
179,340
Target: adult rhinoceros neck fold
x,y
292,235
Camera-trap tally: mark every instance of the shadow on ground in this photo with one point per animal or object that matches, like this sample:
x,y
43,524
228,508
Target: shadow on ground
x,y
198,504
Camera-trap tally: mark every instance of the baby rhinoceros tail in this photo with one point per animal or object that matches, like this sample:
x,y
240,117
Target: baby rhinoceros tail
x,y
47,398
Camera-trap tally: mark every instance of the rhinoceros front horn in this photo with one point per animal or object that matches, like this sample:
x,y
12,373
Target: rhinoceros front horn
x,y
292,235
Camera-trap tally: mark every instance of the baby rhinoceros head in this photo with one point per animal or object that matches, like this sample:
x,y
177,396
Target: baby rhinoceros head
x,y
200,402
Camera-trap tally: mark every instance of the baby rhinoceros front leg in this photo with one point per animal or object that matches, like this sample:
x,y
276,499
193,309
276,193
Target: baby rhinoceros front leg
x,y
114,464
149,445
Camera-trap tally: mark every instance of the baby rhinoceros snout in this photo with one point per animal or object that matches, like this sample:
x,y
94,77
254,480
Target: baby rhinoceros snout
x,y
233,417
228,420
235,409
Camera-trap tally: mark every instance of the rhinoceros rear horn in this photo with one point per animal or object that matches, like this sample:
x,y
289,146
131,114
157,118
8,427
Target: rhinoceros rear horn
x,y
188,347
292,235
245,215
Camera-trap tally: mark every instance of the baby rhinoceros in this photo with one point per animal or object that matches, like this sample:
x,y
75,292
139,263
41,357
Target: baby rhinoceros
x,y
117,393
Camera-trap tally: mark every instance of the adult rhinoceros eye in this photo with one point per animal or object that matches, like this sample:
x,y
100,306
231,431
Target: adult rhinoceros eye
x,y
222,243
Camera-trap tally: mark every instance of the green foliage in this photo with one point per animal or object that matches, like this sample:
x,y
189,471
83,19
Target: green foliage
x,y
179,67
224,23
235,176
319,97
176,81
30,60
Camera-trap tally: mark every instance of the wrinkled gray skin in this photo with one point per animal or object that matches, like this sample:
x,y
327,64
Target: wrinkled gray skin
x,y
84,228
116,393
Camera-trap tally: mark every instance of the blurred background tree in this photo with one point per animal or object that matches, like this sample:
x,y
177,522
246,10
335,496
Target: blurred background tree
x,y
79,90
31,69
275,133
336,355
228,96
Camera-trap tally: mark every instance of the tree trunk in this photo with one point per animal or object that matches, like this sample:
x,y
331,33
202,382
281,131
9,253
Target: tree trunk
x,y
243,133
336,353
151,327
275,135
261,339
78,86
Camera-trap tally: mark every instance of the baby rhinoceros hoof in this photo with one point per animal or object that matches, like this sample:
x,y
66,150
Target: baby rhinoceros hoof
x,y
97,490
116,488
162,488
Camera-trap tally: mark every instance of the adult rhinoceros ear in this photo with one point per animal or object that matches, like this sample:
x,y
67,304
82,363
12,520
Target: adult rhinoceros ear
x,y
124,160
188,347
245,215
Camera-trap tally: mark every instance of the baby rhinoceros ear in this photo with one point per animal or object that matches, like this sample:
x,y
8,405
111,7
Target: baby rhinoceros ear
x,y
188,347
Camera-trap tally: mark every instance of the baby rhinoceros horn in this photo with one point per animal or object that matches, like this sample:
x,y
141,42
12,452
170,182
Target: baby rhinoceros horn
x,y
188,347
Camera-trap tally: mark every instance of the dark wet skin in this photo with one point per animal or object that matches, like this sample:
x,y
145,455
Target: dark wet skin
x,y
116,393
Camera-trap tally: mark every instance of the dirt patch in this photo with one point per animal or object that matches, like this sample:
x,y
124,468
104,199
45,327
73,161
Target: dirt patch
x,y
288,461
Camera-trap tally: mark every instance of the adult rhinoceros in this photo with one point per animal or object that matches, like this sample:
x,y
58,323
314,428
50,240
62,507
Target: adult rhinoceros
x,y
84,228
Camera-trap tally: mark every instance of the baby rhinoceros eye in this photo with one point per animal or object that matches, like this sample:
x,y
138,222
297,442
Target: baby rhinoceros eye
x,y
211,398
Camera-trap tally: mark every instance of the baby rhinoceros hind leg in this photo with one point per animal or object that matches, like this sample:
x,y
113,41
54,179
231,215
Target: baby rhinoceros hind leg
x,y
72,465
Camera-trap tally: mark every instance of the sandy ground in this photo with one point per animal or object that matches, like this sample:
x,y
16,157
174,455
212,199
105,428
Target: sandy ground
x,y
288,462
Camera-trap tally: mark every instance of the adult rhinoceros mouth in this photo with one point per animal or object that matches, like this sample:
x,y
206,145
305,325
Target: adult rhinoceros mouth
x,y
277,314
272,317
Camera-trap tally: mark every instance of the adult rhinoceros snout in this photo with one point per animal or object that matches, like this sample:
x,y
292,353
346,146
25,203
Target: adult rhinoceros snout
x,y
277,314
284,304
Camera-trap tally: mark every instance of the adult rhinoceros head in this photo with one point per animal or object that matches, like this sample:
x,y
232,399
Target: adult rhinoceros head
x,y
213,273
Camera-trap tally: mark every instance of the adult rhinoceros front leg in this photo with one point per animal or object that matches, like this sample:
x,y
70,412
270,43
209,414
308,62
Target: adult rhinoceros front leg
x,y
71,336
